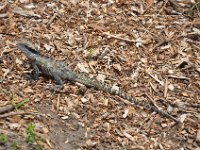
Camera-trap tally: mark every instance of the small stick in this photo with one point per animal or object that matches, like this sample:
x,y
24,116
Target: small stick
x,y
166,88
153,108
163,6
159,111
155,78
178,77
52,18
10,34
17,113
119,38
158,44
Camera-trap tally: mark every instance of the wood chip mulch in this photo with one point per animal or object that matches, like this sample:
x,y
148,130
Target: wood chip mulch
x,y
150,49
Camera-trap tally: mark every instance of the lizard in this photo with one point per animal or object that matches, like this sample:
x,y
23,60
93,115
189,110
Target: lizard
x,y
61,72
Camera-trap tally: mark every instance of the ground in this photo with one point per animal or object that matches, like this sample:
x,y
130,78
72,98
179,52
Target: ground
x,y
150,49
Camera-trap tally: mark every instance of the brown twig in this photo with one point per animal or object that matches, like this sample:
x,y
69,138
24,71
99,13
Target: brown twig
x,y
159,44
159,111
178,77
52,18
119,38
10,34
163,6
153,107
17,113
166,88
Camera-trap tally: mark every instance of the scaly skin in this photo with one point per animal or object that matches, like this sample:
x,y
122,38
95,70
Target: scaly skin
x,y
61,72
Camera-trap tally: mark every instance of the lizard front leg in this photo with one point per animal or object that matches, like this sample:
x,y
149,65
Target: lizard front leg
x,y
59,82
36,72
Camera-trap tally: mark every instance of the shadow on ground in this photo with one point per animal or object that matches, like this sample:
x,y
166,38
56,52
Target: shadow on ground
x,y
64,134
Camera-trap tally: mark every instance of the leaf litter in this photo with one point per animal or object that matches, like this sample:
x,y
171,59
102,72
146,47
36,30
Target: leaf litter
x,y
148,48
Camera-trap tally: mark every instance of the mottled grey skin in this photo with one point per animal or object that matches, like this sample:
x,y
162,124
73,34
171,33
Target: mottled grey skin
x,y
61,72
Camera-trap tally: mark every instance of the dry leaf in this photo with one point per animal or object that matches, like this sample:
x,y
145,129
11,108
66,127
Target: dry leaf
x,y
74,2
82,68
149,2
28,90
3,6
64,117
127,135
48,47
117,67
30,6
25,13
182,118
4,15
165,47
24,1
6,72
18,61
92,63
171,87
84,100
126,112
14,126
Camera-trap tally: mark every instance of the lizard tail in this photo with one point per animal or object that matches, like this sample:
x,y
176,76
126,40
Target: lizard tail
x,y
106,88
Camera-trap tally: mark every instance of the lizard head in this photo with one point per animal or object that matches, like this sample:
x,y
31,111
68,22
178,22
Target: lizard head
x,y
27,48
